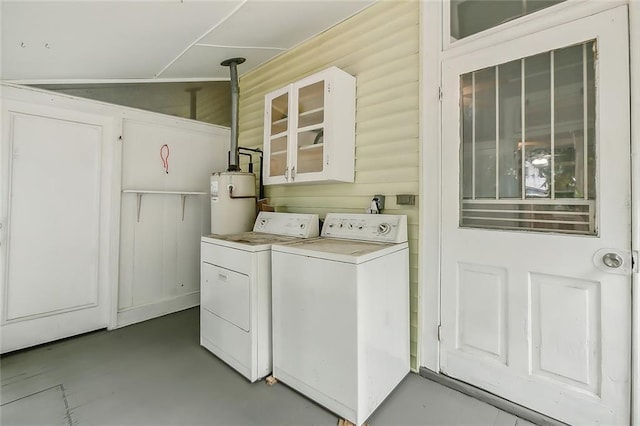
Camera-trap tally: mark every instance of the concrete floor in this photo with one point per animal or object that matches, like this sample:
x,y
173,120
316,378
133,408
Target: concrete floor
x,y
156,373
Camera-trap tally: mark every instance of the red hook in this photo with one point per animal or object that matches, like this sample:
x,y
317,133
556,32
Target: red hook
x,y
164,155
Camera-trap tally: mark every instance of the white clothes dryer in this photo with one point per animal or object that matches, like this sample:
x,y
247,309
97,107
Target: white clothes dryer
x,y
235,293
341,312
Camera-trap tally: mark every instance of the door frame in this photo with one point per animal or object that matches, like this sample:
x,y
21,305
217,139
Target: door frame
x,y
434,49
634,59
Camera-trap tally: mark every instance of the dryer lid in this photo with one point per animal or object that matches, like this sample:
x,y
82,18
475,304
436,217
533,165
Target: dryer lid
x,y
249,241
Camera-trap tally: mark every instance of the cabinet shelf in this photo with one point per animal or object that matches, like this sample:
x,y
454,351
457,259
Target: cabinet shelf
x,y
282,120
311,111
279,152
306,147
279,135
311,128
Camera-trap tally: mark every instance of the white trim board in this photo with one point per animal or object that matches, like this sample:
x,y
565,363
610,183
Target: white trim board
x,y
430,119
154,310
634,46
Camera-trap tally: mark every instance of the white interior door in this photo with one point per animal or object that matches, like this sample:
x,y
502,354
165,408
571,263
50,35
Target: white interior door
x,y
55,205
536,255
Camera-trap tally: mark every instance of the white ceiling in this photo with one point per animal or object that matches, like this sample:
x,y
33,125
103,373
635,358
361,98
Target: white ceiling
x,y
90,41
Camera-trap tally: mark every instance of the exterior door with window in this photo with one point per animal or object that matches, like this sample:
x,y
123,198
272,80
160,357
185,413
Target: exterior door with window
x,y
536,248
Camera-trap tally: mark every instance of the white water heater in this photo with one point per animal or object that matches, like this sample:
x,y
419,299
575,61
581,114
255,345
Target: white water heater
x,y
233,202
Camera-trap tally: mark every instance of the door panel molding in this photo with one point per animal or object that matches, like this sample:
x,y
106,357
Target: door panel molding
x,y
486,319
560,311
53,220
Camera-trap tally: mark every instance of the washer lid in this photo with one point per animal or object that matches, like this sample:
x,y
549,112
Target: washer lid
x,y
339,250
249,241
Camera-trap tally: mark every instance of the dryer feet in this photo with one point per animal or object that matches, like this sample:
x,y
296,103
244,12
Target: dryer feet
x,y
345,422
271,380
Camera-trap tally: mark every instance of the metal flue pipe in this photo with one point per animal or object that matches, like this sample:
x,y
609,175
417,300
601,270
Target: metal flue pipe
x,y
234,158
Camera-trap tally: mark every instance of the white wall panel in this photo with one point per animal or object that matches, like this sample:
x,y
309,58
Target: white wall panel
x,y
160,248
149,239
193,218
192,156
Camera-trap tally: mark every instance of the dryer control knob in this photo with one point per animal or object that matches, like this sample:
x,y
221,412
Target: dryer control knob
x,y
384,228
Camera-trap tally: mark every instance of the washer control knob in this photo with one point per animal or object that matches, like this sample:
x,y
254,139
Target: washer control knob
x,y
384,228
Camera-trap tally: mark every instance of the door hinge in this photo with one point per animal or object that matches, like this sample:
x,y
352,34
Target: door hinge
x,y
439,333
634,260
440,94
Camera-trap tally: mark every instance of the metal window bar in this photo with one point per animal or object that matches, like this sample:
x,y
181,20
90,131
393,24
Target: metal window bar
x,y
561,215
473,135
497,132
552,96
585,124
522,130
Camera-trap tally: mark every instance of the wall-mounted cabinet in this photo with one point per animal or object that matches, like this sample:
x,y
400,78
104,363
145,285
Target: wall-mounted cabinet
x,y
309,130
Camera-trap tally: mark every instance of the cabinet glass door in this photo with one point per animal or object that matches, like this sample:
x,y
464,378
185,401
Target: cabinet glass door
x,y
278,135
310,128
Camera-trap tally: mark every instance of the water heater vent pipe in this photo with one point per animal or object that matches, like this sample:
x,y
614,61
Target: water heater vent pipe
x,y
234,158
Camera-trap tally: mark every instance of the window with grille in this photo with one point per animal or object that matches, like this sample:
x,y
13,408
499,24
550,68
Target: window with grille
x,y
528,148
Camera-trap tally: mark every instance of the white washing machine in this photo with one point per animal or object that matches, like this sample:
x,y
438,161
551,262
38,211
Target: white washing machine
x,y
235,293
341,312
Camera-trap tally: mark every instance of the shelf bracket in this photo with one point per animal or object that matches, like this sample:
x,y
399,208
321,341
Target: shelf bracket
x,y
139,204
